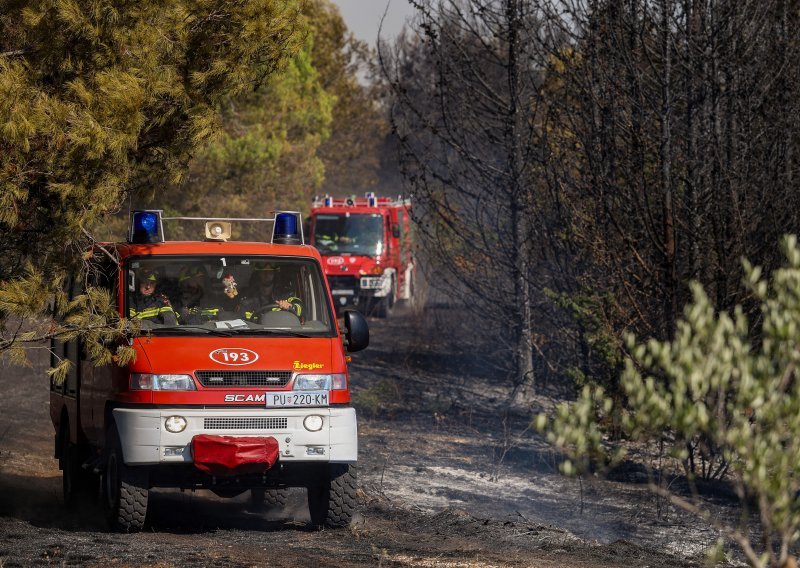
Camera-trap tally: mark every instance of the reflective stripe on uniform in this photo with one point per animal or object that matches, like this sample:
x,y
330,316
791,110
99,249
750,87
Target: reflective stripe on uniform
x,y
150,312
297,305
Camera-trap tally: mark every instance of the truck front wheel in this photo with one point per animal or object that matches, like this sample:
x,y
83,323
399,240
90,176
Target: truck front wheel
x,y
125,489
332,501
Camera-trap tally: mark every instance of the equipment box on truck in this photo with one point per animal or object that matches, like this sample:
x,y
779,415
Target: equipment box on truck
x,y
239,381
366,246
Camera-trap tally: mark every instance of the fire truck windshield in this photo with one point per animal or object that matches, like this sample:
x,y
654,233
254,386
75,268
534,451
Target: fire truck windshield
x,y
353,233
231,295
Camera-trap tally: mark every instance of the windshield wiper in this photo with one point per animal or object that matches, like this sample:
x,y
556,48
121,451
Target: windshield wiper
x,y
268,331
180,328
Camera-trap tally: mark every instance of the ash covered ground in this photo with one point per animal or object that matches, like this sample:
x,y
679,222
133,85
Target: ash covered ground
x,y
447,479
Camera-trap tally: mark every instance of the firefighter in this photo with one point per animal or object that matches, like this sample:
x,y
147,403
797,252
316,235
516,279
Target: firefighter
x,y
147,304
331,242
194,305
284,295
271,291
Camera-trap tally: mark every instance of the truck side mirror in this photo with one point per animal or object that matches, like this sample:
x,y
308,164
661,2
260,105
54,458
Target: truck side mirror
x,y
396,231
356,331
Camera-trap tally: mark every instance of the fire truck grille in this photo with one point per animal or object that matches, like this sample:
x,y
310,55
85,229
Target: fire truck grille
x,y
245,423
244,378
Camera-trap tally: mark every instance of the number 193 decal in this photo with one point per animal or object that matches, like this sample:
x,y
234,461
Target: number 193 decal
x,y
233,356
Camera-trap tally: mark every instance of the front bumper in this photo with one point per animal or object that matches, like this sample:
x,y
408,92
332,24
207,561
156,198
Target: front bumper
x,y
345,290
378,286
145,441
354,291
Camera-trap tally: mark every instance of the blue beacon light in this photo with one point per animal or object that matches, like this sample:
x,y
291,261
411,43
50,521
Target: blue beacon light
x,y
145,227
146,222
285,231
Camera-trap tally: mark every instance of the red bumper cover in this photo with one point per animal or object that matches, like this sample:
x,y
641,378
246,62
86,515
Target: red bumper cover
x,y
232,455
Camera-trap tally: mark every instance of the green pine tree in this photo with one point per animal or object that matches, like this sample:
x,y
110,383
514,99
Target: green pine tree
x,y
99,99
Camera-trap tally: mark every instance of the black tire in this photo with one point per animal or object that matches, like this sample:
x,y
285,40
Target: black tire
x,y
77,484
332,501
268,498
125,489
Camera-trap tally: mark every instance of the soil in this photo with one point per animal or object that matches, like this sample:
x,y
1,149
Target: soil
x,y
448,478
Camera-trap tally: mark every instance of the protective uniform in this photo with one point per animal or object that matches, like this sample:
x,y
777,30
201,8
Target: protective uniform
x,y
195,307
154,306
260,297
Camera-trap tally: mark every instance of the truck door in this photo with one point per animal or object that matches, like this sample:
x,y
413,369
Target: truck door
x,y
97,382
69,388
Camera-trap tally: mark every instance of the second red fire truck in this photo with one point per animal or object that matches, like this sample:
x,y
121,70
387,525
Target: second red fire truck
x,y
366,248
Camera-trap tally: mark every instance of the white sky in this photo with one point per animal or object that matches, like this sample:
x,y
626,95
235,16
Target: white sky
x,y
363,17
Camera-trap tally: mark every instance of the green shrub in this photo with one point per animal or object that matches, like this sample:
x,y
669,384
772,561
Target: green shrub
x,y
719,385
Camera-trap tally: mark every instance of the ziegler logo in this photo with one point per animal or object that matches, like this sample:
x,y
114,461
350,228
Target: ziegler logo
x,y
335,260
233,356
310,366
245,397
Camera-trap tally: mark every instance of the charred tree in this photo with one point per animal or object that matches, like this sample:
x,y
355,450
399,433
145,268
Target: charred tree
x,y
685,113
467,110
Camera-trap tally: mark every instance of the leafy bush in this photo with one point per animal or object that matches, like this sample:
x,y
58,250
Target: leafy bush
x,y
722,385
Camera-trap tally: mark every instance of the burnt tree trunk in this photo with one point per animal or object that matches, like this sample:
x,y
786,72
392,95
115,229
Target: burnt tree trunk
x,y
523,356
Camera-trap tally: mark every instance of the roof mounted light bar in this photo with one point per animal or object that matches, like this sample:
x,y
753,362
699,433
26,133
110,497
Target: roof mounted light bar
x,y
369,200
147,226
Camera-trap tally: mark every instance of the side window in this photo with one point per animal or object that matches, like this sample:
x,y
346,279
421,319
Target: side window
x,y
108,277
104,275
67,350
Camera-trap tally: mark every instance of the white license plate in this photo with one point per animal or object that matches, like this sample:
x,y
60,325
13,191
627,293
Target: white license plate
x,y
371,282
302,398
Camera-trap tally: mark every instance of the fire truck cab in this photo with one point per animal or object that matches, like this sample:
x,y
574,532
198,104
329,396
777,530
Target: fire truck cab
x,y
239,382
366,247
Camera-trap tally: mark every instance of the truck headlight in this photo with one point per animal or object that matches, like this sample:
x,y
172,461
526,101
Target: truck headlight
x,y
337,381
312,382
147,381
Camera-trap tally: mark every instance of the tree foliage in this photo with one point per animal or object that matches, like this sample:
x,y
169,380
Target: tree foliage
x,y
720,385
359,130
100,98
265,156
280,142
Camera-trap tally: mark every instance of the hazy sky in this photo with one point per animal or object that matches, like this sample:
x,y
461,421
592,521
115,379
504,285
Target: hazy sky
x,y
364,16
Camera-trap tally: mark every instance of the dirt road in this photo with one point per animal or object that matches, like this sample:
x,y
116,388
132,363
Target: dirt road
x,y
444,482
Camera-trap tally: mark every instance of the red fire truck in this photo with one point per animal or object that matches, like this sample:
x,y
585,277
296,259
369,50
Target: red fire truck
x,y
366,246
240,380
